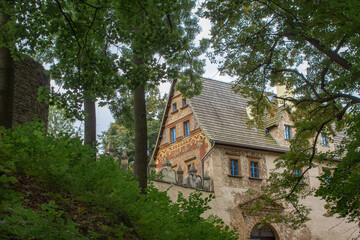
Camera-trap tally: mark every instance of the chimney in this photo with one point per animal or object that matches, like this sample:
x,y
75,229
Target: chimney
x,y
282,92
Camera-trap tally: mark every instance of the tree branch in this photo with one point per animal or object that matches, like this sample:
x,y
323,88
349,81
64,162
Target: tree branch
x,y
332,97
70,22
301,76
318,132
333,55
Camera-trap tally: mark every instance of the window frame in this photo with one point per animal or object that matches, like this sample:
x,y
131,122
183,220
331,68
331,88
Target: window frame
x,y
287,129
186,130
188,167
324,141
238,160
184,102
257,161
174,105
235,160
173,134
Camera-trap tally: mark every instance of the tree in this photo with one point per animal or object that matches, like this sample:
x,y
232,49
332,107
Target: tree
x,y
154,38
7,79
69,36
59,124
268,42
158,43
120,136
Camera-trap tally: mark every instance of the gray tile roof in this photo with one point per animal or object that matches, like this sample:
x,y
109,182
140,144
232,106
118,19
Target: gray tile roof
x,y
274,117
221,114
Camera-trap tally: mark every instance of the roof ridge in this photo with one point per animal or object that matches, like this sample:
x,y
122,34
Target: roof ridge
x,y
215,80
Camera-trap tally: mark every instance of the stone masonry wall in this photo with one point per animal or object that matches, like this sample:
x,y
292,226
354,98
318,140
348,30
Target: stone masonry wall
x,y
29,76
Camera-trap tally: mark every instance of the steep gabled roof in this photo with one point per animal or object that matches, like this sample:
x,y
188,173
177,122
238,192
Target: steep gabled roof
x,y
221,114
273,118
222,117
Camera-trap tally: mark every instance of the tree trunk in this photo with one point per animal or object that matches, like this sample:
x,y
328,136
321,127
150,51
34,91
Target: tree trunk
x,y
7,80
90,123
140,164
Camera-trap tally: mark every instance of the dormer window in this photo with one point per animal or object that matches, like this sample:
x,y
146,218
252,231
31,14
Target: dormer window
x,y
287,132
174,107
184,102
324,140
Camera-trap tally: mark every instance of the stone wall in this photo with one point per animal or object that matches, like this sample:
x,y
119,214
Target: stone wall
x,y
29,76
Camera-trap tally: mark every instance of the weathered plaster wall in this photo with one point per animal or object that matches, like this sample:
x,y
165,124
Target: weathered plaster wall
x,y
278,133
29,76
231,193
229,190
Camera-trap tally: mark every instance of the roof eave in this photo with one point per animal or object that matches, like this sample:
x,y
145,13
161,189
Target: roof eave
x,y
251,147
162,127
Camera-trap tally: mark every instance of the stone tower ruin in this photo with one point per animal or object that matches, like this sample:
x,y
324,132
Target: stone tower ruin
x,y
29,76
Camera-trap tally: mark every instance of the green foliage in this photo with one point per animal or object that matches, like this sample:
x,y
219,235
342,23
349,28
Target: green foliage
x,y
70,37
23,223
50,188
74,38
60,124
120,137
313,49
181,220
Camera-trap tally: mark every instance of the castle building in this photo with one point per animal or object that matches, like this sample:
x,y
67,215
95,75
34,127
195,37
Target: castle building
x,y
205,143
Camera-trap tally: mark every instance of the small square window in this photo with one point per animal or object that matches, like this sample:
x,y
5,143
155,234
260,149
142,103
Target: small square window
x,y
324,140
174,107
234,167
184,102
287,132
186,128
173,134
254,169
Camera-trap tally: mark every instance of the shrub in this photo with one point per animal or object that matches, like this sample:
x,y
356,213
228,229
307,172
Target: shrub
x,y
52,189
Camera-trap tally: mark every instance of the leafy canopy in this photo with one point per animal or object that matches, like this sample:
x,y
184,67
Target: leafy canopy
x,y
119,138
313,49
69,37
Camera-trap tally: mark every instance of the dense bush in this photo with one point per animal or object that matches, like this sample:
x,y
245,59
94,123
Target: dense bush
x,y
52,189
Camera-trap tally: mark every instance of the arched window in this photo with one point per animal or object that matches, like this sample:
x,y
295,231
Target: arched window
x,y
264,233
